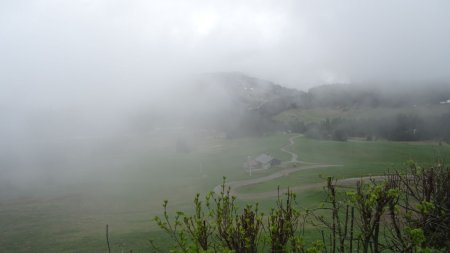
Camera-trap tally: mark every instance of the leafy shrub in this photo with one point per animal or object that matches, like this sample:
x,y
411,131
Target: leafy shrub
x,y
400,212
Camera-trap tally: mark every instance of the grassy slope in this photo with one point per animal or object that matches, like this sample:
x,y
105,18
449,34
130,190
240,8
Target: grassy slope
x,y
359,158
319,114
127,200
72,217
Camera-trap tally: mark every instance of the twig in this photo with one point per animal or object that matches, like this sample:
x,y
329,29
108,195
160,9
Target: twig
x,y
107,238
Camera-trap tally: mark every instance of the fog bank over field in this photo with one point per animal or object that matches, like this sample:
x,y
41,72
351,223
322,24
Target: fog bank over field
x,y
108,55
71,47
82,82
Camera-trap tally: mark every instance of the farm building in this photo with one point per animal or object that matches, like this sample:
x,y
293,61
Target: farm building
x,y
263,161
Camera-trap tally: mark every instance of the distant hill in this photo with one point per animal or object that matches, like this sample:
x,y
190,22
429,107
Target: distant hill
x,y
346,95
270,98
252,93
240,105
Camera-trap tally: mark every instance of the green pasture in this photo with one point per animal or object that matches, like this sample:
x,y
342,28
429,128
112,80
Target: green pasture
x,y
126,190
318,114
356,158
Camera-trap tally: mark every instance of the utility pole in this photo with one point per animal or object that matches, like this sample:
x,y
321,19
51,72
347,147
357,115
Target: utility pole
x,y
249,165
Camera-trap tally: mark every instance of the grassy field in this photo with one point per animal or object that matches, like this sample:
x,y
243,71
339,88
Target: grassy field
x,y
126,190
123,187
315,115
356,158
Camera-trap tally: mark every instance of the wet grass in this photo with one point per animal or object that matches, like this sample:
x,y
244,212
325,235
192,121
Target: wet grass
x,y
124,190
71,217
358,158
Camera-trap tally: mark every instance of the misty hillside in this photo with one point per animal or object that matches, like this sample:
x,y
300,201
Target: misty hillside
x,y
241,105
251,93
346,95
227,101
114,112
268,98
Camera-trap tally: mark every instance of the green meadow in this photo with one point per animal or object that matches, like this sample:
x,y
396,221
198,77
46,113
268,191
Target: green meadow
x,y
354,158
126,190
318,114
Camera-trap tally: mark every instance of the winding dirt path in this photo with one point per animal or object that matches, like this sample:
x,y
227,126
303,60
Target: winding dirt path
x,y
347,182
294,156
282,173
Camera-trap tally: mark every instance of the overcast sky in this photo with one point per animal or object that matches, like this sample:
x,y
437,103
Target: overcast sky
x,y
79,68
55,51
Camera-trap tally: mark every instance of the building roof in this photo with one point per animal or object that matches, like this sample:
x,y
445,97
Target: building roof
x,y
264,158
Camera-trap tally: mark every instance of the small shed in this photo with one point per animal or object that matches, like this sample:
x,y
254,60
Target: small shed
x,y
263,161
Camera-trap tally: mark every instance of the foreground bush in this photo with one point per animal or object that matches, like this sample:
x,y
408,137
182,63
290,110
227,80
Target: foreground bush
x,y
400,212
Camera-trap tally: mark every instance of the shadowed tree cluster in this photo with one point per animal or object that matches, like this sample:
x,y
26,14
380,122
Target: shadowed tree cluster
x,y
401,127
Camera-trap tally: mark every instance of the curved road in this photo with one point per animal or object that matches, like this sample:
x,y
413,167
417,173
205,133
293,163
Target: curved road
x,y
347,182
294,158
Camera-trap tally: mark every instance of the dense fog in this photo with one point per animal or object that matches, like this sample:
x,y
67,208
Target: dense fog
x,y
78,79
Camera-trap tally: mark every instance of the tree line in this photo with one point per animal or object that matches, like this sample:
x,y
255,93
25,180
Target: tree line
x,y
401,127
